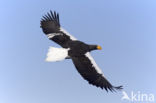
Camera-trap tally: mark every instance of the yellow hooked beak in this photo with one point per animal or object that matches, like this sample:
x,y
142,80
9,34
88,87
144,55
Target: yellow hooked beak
x,y
99,47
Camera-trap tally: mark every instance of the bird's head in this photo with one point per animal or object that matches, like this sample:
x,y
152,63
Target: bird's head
x,y
94,47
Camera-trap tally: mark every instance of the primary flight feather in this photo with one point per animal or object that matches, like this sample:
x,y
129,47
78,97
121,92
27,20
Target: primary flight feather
x,y
74,49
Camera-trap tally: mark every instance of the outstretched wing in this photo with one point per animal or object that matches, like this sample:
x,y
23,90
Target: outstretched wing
x,y
88,69
50,25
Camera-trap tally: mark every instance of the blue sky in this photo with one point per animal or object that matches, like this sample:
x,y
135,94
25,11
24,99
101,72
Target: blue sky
x,y
124,28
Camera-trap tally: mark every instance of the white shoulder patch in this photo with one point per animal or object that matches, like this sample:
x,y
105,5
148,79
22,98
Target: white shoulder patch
x,y
51,35
94,63
71,37
56,54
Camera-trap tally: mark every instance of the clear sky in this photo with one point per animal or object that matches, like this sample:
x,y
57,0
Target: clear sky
x,y
126,29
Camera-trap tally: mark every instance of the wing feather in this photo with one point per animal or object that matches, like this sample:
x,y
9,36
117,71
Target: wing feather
x,y
50,25
89,72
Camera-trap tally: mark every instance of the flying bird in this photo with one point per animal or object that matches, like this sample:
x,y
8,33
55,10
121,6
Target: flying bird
x,y
77,51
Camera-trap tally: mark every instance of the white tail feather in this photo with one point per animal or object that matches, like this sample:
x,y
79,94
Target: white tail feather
x,y
56,54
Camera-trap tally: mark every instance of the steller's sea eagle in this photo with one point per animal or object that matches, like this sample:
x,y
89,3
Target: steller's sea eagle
x,y
74,49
